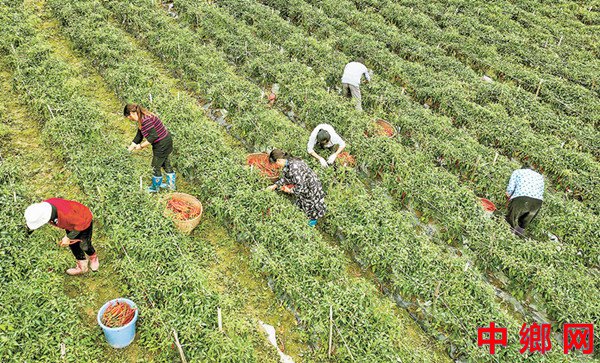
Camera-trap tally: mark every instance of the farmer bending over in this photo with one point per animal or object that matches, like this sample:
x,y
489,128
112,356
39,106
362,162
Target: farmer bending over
x,y
525,191
351,78
306,186
76,220
324,137
152,129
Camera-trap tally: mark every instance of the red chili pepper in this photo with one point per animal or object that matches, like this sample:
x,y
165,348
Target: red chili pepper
x,y
118,314
183,210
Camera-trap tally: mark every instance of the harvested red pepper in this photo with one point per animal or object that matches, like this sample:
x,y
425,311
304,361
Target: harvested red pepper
x,y
386,128
118,314
346,159
268,169
183,210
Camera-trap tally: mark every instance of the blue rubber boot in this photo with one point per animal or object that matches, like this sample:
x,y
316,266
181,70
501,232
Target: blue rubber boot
x,y
312,222
171,181
155,187
163,183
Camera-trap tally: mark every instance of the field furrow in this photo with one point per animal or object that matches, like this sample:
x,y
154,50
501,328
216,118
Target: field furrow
x,y
300,265
303,93
491,125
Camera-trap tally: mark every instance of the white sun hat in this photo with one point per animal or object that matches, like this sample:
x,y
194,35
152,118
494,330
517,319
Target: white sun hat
x,y
38,214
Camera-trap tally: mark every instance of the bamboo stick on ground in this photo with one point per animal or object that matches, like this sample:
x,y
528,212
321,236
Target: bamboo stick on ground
x,y
179,348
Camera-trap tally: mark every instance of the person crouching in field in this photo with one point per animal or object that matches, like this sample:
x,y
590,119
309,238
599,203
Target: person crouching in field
x,y
525,191
76,219
152,129
322,137
298,179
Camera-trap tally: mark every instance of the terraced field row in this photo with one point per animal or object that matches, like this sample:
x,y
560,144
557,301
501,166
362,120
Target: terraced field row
x,y
406,259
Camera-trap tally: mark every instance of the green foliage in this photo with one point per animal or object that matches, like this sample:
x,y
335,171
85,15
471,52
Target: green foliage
x,y
200,56
454,149
305,271
175,297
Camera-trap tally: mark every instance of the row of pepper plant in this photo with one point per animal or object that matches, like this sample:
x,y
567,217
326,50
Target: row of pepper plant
x,y
516,101
247,44
571,57
377,249
356,186
490,124
484,170
145,243
152,39
484,250
565,51
574,16
307,273
470,37
36,316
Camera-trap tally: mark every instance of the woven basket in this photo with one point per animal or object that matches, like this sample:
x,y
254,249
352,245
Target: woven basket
x,y
188,225
385,125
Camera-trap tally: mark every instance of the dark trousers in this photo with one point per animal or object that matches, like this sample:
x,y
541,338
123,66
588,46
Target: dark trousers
x,y
522,210
160,156
85,245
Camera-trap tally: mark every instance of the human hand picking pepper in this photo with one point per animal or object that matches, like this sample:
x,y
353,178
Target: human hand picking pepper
x,y
323,162
332,158
134,146
64,242
287,189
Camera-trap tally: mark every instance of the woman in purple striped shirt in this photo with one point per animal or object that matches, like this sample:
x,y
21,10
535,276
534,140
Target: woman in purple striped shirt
x,y
152,129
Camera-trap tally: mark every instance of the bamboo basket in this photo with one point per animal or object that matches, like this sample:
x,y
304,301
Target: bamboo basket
x,y
184,226
386,126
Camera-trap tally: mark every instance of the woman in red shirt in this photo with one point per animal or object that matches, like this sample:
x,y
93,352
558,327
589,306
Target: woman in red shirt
x,y
152,129
76,220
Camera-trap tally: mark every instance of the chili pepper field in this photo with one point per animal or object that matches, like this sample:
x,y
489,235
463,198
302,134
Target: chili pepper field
x,y
406,264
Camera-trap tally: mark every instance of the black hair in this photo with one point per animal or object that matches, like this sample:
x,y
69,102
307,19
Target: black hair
x,y
138,109
323,136
278,154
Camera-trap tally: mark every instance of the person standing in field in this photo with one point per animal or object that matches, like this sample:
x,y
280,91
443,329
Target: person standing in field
x,y
324,137
351,78
77,221
298,179
525,191
152,129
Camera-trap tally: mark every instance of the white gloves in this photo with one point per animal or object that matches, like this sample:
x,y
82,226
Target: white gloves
x,y
331,159
323,162
134,146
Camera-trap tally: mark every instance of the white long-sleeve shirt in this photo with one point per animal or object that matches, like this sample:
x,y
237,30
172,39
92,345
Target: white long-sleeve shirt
x,y
526,183
353,72
335,138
